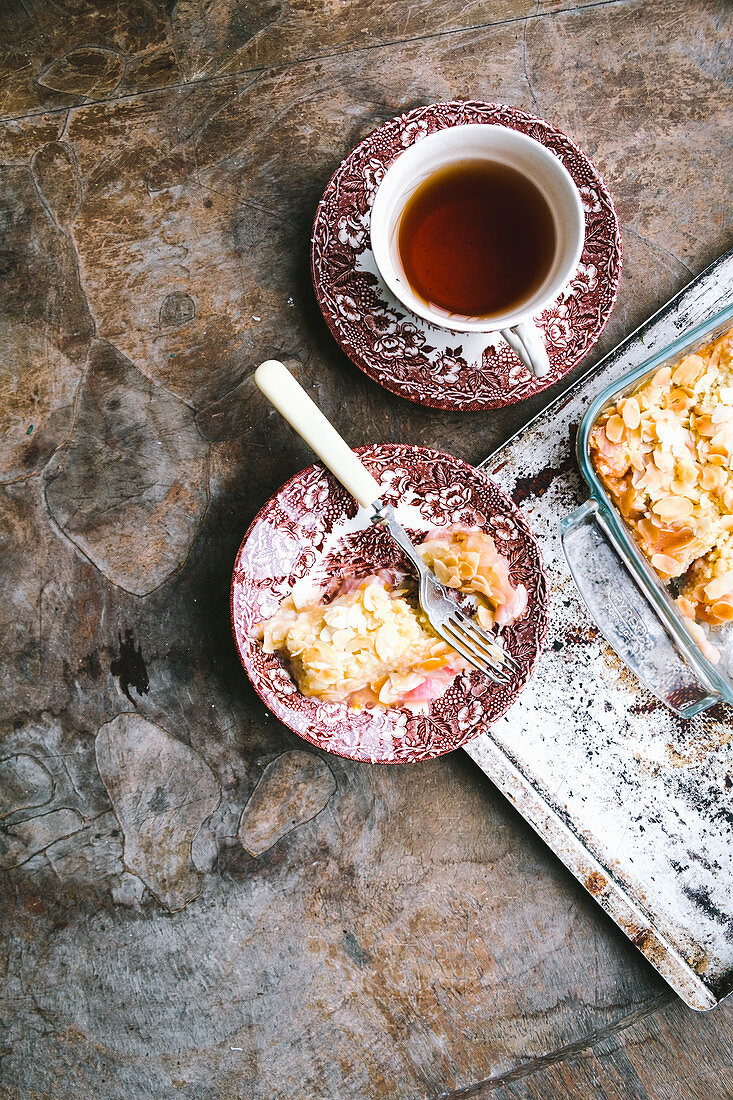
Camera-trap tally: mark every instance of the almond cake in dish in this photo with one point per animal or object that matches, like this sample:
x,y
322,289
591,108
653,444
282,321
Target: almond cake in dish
x,y
371,645
665,455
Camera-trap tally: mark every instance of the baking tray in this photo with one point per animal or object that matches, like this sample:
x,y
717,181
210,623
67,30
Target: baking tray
x,y
636,801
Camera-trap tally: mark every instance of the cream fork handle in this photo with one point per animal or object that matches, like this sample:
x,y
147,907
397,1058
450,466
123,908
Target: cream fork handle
x,y
292,402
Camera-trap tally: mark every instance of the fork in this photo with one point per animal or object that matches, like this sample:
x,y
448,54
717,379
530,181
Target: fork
x,y
478,648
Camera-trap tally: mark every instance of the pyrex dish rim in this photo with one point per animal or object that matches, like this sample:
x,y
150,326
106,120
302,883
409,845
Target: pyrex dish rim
x,y
619,530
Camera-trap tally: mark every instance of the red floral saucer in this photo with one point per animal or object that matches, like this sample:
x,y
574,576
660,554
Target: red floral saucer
x,y
312,530
430,365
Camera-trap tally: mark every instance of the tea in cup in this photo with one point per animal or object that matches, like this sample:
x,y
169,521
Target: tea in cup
x,y
478,228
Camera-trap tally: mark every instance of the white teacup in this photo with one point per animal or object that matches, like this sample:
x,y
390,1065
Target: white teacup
x,y
503,146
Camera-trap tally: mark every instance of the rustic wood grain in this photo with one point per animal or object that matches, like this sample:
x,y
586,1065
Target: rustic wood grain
x,y
45,326
161,792
293,789
24,783
24,839
129,487
60,55
176,921
647,1054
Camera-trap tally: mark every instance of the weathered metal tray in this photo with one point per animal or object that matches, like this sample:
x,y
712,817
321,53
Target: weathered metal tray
x,y
636,802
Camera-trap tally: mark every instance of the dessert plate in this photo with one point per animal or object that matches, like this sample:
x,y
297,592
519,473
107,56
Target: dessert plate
x,y
313,530
407,355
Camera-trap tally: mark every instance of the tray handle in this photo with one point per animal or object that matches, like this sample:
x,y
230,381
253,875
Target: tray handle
x,y
622,612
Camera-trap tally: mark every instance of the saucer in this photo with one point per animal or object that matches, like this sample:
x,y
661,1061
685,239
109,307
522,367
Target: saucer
x,y
312,530
407,355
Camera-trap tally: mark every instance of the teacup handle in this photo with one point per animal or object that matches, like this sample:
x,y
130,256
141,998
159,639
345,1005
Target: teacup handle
x,y
526,339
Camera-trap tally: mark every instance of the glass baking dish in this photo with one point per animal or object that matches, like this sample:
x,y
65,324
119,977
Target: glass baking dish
x,y
628,601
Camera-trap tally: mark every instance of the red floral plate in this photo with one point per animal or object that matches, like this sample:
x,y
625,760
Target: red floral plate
x,y
434,366
312,530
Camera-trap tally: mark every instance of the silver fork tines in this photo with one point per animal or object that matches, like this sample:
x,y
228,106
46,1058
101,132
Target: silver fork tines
x,y
495,672
481,650
479,636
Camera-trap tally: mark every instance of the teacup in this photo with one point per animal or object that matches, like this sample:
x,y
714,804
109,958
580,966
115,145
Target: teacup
x,y
501,146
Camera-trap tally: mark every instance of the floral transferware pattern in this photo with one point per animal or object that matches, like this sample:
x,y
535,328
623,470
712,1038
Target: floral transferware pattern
x,y
406,354
312,531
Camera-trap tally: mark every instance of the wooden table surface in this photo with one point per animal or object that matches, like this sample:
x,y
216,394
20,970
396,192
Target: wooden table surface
x,y
195,903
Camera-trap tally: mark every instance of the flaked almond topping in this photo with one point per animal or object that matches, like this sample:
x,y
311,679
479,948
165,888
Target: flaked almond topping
x,y
663,563
684,489
721,586
662,378
674,509
663,460
710,478
679,403
723,611
688,371
615,429
631,413
654,481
